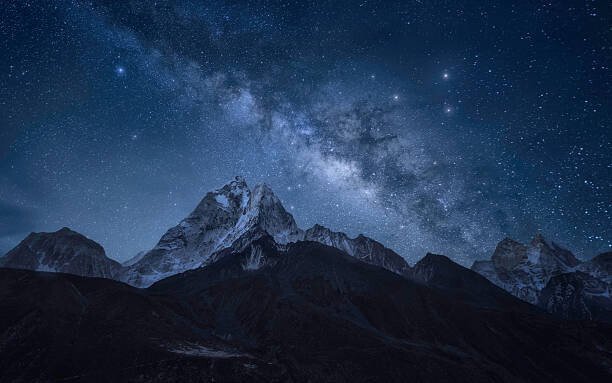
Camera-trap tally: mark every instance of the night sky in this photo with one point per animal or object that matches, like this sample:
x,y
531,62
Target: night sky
x,y
438,126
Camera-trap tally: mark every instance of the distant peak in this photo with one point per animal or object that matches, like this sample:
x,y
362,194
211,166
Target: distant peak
x,y
539,240
431,257
237,183
263,194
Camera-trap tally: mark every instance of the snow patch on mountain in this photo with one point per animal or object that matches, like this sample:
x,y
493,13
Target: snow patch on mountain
x,y
193,349
222,200
255,259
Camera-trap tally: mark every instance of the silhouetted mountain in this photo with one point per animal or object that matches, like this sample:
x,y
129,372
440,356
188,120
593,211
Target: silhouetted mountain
x,y
458,282
229,219
63,251
283,312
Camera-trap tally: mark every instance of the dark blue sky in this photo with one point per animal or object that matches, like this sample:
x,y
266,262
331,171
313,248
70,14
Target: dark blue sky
x,y
429,125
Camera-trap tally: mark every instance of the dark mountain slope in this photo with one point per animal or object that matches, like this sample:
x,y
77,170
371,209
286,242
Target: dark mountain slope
x,y
301,312
458,282
56,327
327,316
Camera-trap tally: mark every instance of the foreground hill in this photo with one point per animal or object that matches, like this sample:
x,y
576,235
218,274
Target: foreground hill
x,y
299,312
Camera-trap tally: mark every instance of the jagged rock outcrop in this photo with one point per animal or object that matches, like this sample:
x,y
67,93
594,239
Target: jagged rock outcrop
x,y
63,251
524,270
577,296
551,277
361,247
309,312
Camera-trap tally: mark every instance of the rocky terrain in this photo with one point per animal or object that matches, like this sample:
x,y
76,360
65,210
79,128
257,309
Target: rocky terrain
x,y
551,277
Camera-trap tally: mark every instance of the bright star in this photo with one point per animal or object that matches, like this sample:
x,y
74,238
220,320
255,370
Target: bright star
x,y
445,75
119,70
396,97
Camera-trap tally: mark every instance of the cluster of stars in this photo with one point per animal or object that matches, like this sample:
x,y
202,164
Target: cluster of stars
x,y
456,136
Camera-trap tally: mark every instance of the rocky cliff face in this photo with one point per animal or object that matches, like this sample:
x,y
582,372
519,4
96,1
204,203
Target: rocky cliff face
x,y
361,247
577,295
224,218
551,277
524,270
63,251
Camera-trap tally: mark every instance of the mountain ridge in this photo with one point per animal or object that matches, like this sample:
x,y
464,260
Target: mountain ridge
x,y
233,216
309,312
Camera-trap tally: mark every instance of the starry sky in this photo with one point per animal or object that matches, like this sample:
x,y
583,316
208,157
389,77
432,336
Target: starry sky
x,y
438,126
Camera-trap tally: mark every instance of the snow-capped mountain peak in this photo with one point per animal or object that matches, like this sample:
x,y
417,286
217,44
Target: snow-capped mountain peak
x,y
233,216
508,254
230,216
268,212
221,218
525,269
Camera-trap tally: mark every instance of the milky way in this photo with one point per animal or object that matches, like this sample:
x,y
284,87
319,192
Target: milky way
x,y
425,125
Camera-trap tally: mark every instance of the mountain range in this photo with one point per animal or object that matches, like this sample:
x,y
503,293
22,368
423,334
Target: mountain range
x,y
547,275
233,216
238,292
